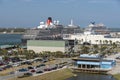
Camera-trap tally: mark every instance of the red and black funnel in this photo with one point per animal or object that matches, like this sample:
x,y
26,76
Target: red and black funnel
x,y
49,20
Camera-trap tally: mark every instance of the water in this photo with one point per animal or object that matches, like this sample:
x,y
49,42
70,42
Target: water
x,y
86,76
10,39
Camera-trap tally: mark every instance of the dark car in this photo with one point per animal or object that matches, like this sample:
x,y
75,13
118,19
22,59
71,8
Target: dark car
x,y
33,71
28,74
42,64
38,60
27,62
54,68
47,69
12,72
38,66
39,71
22,70
60,66
25,75
8,66
1,63
1,69
118,57
44,61
30,67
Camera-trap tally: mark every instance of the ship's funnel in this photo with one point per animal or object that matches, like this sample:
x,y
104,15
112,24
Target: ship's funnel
x,y
49,20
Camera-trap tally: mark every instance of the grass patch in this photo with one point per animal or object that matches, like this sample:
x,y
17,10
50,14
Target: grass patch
x,y
117,76
57,75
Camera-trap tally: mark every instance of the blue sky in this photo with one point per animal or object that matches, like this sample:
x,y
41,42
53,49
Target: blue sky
x,y
28,13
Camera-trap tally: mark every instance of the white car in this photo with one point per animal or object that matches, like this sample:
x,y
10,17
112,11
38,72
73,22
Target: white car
x,y
15,65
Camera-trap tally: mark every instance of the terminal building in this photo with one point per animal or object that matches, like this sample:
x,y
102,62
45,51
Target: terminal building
x,y
46,45
68,46
93,63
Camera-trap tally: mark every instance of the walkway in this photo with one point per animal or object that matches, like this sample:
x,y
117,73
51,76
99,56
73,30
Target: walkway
x,y
115,69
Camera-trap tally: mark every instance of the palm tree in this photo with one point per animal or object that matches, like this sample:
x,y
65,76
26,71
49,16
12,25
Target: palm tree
x,y
95,49
100,41
85,49
103,41
59,54
103,49
114,45
110,41
106,41
4,52
96,41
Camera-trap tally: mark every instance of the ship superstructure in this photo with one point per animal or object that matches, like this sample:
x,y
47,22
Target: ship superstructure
x,y
49,30
52,30
93,34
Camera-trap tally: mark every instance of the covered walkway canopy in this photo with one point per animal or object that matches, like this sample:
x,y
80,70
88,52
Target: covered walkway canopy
x,y
88,63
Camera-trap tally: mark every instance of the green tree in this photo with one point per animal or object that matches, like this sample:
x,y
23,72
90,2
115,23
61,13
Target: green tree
x,y
85,49
95,49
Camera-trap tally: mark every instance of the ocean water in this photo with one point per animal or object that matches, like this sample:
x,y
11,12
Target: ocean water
x,y
10,39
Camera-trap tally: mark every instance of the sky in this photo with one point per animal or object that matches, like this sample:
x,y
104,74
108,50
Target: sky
x,y
28,13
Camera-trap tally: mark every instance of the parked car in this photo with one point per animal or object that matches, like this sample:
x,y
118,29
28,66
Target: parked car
x,y
42,64
60,66
33,70
118,57
38,66
44,61
1,69
28,74
22,70
26,62
47,69
39,71
8,66
1,64
54,68
12,72
25,75
38,60
15,65
30,67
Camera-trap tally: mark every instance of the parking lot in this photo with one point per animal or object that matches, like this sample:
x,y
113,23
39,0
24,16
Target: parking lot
x,y
35,67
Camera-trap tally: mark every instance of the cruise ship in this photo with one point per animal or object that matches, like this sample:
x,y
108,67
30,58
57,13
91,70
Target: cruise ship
x,y
93,34
50,30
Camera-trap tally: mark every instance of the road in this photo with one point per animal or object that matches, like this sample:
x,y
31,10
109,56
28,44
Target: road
x,y
115,69
113,56
10,76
